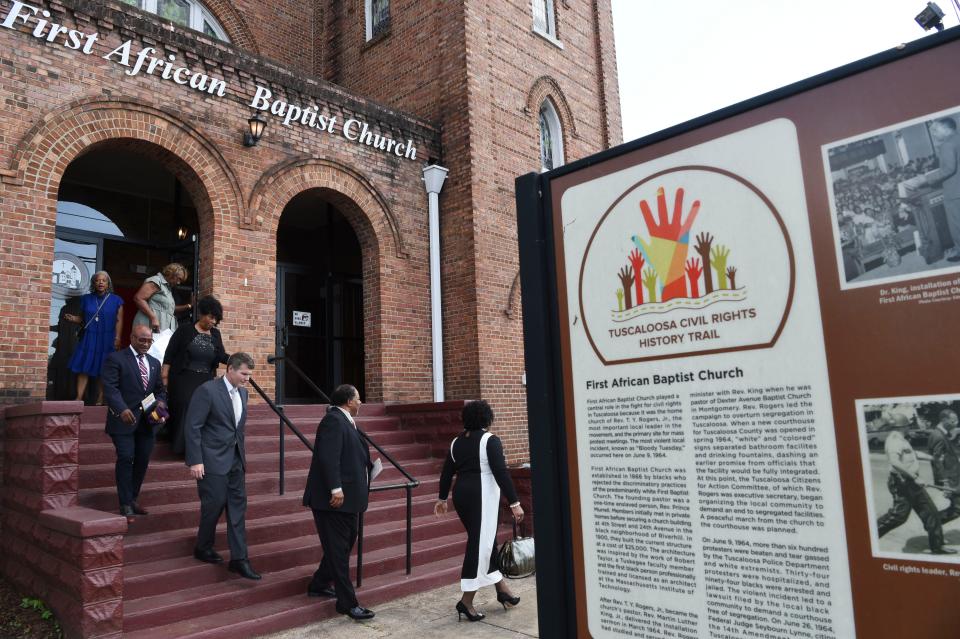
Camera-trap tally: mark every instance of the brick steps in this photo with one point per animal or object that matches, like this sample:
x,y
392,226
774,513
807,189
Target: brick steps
x,y
102,475
232,592
298,609
151,542
381,543
168,593
399,444
153,495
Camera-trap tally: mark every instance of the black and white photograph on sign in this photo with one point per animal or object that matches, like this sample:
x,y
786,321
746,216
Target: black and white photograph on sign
x,y
910,448
895,201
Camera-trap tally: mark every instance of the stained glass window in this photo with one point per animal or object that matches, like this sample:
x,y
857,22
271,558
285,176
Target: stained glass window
x,y
188,13
176,10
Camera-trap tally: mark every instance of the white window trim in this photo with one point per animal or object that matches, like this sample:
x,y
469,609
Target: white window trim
x,y
549,38
198,14
368,12
556,133
551,19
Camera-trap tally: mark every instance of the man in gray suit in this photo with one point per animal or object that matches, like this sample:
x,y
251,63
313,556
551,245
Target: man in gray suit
x,y
947,177
213,431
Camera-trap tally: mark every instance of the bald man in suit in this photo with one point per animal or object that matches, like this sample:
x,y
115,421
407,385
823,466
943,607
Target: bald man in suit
x,y
338,486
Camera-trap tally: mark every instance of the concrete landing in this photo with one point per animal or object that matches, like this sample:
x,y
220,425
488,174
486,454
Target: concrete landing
x,y
431,615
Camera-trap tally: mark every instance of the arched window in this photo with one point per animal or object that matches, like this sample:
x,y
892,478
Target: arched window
x,y
551,137
188,13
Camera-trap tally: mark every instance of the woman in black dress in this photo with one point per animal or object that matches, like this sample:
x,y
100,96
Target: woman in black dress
x,y
476,458
192,357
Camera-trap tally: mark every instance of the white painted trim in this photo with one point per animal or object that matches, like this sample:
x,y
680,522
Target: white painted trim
x,y
433,178
549,38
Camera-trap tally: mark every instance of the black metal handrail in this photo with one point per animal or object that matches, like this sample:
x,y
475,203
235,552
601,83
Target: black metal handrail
x,y
284,421
272,359
408,486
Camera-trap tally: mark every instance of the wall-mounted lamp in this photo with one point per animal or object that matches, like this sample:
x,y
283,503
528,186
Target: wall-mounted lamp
x,y
182,233
257,125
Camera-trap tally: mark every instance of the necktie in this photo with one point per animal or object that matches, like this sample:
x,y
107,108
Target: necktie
x,y
144,372
237,406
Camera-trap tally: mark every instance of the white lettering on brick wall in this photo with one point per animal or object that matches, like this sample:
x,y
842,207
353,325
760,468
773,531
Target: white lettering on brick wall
x,y
149,61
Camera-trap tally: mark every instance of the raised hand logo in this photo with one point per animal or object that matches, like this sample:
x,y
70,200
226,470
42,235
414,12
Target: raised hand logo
x,y
693,274
626,279
718,259
704,240
659,277
650,280
732,274
636,261
666,251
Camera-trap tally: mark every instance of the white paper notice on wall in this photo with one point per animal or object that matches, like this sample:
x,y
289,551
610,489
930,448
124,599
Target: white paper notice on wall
x,y
302,318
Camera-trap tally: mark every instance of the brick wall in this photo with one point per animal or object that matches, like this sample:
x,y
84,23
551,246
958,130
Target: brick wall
x,y
473,74
70,557
62,102
480,71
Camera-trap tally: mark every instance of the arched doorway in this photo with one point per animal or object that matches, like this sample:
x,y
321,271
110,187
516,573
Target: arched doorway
x,y
122,210
319,299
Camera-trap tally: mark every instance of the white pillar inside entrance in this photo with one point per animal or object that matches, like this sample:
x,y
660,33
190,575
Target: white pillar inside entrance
x,y
433,178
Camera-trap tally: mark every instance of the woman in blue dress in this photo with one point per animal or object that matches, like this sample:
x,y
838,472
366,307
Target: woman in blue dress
x,y
101,321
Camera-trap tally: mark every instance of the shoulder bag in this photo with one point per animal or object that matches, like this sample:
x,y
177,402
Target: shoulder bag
x,y
516,557
96,317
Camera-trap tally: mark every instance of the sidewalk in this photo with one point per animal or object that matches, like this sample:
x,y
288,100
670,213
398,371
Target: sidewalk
x,y
431,615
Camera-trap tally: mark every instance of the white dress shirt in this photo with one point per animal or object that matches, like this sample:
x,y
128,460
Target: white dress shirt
x,y
235,398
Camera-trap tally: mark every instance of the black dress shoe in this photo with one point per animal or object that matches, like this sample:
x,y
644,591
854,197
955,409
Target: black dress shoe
x,y
137,509
243,568
325,591
209,555
127,511
357,612
943,551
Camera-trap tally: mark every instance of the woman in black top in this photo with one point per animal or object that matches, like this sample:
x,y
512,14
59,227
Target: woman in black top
x,y
476,457
192,357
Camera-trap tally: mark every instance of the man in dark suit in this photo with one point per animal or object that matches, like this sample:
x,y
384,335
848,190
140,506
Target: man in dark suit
x,y
213,430
946,463
132,388
337,488
947,177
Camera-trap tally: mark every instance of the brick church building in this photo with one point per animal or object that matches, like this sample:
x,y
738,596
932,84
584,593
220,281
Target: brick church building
x,y
128,141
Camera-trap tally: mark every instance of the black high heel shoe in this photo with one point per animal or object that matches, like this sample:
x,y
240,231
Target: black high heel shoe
x,y
463,610
505,599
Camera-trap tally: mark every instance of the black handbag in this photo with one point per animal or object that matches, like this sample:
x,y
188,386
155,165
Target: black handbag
x,y
516,558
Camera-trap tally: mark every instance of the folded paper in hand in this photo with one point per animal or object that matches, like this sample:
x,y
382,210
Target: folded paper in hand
x,y
376,470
